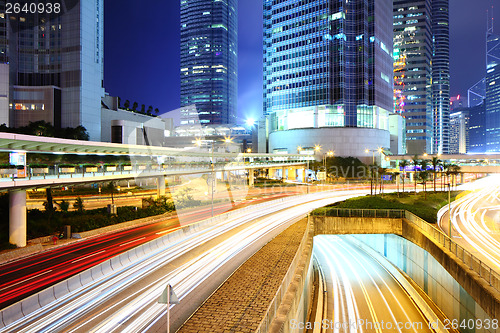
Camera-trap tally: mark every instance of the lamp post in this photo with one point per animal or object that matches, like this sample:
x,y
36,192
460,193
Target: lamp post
x,y
449,210
198,143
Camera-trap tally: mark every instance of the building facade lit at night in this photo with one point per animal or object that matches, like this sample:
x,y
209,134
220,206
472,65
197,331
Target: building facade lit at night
x,y
209,46
413,72
53,64
327,68
492,81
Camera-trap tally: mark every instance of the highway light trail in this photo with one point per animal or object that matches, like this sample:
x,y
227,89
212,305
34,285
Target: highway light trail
x,y
126,301
362,295
17,278
475,220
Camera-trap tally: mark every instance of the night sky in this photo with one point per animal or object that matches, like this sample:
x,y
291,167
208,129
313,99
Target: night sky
x,y
142,61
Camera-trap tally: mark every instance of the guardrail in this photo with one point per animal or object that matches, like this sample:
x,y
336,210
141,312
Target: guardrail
x,y
56,172
434,234
349,212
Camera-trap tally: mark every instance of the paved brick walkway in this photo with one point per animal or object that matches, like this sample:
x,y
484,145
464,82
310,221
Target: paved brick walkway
x,y
241,302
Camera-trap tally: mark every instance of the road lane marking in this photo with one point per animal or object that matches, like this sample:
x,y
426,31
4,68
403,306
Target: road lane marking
x,y
132,241
90,255
31,278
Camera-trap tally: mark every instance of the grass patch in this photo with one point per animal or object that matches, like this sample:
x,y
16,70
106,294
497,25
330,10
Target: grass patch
x,y
425,208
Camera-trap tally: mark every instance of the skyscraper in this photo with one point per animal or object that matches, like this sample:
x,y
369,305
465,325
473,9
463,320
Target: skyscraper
x,y
209,46
55,65
441,76
328,74
492,100
413,50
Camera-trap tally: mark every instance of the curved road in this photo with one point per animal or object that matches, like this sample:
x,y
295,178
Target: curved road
x,y
126,301
361,294
476,220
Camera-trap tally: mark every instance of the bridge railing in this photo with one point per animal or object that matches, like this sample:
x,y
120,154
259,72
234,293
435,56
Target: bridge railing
x,y
466,257
82,171
474,263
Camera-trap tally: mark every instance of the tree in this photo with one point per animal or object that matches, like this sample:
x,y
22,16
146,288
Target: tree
x,y
143,108
78,205
382,172
415,163
111,188
424,174
150,110
424,177
396,175
126,105
135,106
436,162
445,170
403,164
455,170
49,204
63,205
119,101
157,110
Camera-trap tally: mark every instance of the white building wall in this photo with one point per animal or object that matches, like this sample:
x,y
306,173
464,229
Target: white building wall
x,y
344,141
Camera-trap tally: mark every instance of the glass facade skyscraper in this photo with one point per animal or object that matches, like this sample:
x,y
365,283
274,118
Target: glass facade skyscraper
x,y
413,48
327,64
441,76
56,65
209,46
492,100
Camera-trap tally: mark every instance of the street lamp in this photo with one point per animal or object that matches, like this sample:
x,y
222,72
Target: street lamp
x,y
249,150
379,150
328,154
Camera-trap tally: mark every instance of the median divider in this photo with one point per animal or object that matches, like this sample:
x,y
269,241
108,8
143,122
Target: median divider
x,y
62,289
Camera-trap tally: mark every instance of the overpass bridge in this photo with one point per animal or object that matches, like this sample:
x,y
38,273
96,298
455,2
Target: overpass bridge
x,y
144,162
469,163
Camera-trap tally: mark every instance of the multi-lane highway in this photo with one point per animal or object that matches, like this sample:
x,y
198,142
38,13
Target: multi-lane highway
x,y
476,220
126,301
24,277
360,294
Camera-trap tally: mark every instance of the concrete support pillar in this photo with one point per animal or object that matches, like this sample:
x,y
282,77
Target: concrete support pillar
x,y
412,174
17,217
251,179
161,186
283,173
461,178
303,175
292,174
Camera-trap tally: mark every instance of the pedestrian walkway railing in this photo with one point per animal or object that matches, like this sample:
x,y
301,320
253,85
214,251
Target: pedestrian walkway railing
x,y
474,263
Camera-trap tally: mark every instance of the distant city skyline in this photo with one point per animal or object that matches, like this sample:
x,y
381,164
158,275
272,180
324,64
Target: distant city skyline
x,y
140,68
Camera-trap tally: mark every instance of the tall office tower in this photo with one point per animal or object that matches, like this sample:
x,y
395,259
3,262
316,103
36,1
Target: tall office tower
x,y
56,64
413,52
328,74
492,100
441,76
477,93
209,61
459,131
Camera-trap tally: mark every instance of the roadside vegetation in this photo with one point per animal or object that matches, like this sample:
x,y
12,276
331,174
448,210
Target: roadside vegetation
x,y
424,205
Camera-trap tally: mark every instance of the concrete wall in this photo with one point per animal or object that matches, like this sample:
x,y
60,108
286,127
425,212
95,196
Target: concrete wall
x,y
355,225
344,141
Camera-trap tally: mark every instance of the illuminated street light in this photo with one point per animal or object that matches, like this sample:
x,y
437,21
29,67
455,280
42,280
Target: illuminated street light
x,y
250,122
317,148
249,150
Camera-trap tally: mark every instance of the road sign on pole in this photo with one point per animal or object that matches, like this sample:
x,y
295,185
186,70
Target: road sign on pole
x,y
168,297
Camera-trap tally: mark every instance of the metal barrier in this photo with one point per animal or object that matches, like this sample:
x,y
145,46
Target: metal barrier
x,y
348,212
